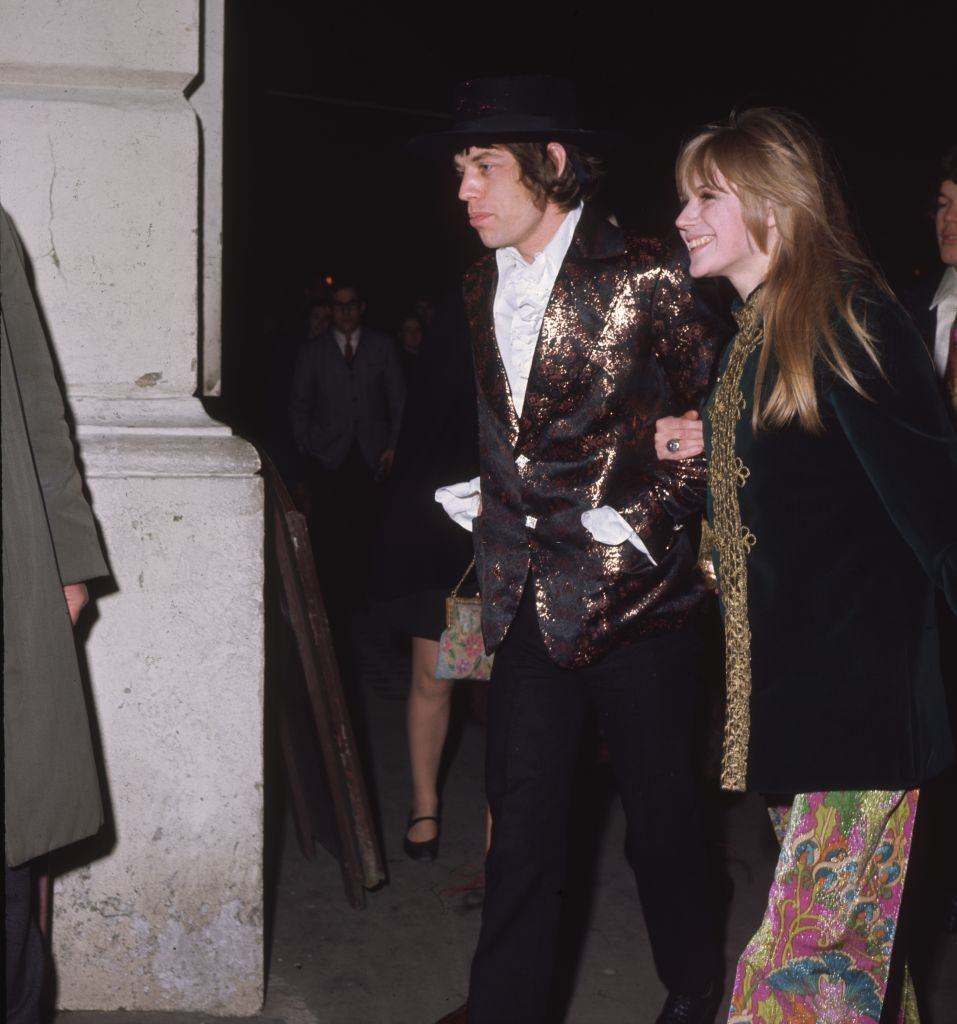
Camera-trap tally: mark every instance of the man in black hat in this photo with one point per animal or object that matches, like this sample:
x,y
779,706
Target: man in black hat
x,y
585,544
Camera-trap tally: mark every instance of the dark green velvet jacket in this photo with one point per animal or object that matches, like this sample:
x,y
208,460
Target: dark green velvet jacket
x,y
827,575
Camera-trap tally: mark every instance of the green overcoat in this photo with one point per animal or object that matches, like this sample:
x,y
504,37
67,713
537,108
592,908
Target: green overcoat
x,y
49,539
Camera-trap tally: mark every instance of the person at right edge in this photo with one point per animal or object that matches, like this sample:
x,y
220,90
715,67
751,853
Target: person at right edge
x,y
832,478
932,302
50,547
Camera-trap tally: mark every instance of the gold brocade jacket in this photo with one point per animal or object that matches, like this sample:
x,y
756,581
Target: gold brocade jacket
x,y
623,342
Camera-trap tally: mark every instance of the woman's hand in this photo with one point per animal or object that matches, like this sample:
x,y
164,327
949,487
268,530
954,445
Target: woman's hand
x,y
679,437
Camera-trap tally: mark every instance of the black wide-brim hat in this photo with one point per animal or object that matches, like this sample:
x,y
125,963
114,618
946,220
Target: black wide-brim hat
x,y
520,108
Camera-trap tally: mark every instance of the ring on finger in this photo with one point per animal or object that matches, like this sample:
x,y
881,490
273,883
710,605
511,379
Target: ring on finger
x,y
673,445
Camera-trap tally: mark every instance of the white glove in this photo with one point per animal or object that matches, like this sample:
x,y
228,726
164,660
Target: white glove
x,y
461,502
608,527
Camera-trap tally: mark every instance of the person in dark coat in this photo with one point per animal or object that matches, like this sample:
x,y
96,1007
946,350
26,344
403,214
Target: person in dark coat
x,y
933,302
421,553
832,477
348,392
50,547
345,411
933,305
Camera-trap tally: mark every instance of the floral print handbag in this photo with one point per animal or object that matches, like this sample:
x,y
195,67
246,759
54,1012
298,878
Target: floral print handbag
x,y
461,647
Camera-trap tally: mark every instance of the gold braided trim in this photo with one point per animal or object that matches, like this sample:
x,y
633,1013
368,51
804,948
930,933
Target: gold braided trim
x,y
733,540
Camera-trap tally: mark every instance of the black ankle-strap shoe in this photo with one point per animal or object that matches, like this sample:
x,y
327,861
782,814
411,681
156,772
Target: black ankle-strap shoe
x,y
427,850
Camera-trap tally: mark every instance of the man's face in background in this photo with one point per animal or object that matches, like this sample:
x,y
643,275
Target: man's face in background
x,y
946,222
346,309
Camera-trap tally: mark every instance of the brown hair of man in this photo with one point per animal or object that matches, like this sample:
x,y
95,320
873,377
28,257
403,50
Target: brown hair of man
x,y
578,181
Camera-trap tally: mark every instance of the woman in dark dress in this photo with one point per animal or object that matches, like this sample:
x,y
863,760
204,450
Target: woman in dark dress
x,y
421,553
832,497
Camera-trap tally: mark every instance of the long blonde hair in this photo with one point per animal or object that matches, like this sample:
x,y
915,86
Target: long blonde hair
x,y
772,157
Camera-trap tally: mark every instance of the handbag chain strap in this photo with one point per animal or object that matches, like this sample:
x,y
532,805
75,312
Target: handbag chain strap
x,y
455,589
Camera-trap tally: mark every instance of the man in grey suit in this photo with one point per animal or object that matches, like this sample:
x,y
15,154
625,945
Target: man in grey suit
x,y
346,405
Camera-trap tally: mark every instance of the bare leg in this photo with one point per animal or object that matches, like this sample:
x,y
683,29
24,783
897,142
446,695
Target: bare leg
x,y
430,701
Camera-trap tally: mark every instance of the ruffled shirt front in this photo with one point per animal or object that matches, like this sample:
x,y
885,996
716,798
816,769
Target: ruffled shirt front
x,y
521,296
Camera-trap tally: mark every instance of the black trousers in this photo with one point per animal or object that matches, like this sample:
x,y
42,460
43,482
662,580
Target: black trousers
x,y
24,954
644,696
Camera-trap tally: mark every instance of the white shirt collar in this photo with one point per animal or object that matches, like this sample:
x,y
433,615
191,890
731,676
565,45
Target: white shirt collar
x,y
548,261
947,289
341,338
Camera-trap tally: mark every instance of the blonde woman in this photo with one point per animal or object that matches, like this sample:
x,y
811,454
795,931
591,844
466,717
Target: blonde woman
x,y
832,497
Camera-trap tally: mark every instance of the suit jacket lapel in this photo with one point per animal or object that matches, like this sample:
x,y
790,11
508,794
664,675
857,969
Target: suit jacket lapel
x,y
489,368
574,317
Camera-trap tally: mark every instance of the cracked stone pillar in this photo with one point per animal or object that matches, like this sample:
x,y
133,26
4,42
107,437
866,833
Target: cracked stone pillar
x,y
110,118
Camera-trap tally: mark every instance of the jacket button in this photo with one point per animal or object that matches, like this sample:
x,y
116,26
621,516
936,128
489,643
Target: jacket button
x,y
531,522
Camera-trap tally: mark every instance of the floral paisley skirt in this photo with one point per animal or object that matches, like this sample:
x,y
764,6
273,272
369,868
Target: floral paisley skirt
x,y
823,950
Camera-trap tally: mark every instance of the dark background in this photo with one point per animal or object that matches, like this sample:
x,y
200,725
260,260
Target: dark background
x,y
321,99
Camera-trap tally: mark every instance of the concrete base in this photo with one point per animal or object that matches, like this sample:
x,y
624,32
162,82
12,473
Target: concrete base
x,y
172,918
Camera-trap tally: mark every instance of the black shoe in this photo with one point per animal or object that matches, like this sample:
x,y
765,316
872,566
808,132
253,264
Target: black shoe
x,y
428,850
681,1009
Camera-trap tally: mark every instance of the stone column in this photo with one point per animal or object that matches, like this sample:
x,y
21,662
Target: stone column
x,y
102,160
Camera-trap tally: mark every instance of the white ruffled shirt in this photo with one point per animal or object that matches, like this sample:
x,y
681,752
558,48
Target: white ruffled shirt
x,y
521,297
